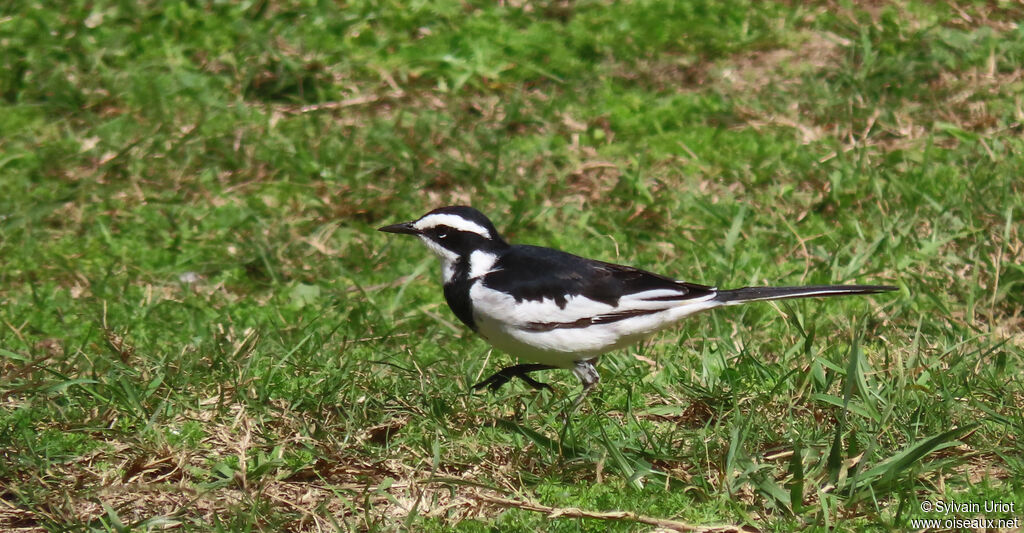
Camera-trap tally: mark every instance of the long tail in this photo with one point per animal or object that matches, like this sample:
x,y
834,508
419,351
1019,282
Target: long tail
x,y
751,294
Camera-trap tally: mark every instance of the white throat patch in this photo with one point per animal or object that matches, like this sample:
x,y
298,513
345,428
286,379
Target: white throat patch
x,y
447,257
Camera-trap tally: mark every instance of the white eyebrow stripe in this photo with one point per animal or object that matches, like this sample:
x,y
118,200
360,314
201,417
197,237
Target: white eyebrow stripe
x,y
453,221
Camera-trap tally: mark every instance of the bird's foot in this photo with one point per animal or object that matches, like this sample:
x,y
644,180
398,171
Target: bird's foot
x,y
504,375
587,373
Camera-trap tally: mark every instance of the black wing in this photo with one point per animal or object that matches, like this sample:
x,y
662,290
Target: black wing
x,y
536,273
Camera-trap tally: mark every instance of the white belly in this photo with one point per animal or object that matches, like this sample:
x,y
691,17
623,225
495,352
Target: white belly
x,y
511,326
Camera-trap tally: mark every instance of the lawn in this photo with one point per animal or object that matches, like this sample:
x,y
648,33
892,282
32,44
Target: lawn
x,y
202,330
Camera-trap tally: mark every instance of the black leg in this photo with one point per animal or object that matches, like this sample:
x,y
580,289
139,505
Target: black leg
x,y
503,376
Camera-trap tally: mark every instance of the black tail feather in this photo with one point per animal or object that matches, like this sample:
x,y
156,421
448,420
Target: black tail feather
x,y
750,294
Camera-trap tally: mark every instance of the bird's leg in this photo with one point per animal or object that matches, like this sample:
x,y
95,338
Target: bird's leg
x,y
503,376
587,373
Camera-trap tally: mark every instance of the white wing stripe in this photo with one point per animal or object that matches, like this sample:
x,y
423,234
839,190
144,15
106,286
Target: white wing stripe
x,y
579,311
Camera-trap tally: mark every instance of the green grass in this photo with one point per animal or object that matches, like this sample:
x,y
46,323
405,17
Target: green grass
x,y
202,329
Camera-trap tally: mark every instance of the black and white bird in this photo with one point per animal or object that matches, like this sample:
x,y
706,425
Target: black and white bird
x,y
558,310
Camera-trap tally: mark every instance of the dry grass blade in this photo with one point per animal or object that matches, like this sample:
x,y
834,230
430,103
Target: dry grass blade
x,y
349,102
574,512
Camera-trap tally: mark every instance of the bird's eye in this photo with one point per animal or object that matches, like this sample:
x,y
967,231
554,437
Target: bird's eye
x,y
442,235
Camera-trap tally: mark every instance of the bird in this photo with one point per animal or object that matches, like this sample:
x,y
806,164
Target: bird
x,y
556,310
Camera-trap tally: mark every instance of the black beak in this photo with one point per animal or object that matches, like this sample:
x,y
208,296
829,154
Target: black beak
x,y
404,227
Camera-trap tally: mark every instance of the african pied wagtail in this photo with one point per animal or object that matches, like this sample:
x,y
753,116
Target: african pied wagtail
x,y
559,310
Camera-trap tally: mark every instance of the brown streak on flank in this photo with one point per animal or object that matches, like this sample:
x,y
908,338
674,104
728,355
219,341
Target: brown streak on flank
x,y
584,322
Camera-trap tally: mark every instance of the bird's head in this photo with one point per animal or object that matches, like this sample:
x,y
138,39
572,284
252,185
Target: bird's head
x,y
453,233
